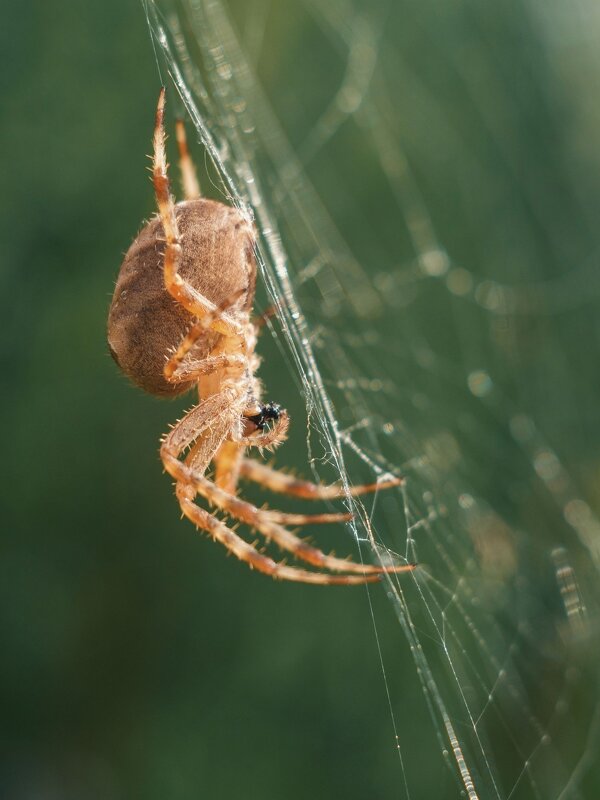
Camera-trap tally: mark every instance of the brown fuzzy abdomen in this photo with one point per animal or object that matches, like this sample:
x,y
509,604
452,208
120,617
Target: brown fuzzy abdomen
x,y
145,323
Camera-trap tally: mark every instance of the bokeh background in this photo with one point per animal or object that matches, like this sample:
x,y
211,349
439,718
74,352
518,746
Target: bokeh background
x,y
137,660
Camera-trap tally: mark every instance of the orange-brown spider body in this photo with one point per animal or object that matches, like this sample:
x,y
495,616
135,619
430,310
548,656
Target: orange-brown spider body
x,y
180,319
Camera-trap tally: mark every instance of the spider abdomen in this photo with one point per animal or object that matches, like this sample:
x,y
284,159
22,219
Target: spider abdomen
x,y
145,323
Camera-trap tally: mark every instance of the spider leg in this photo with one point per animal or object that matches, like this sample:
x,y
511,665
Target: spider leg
x,y
227,466
247,553
193,369
266,523
261,320
208,414
194,426
280,482
176,371
189,178
179,289
208,425
268,440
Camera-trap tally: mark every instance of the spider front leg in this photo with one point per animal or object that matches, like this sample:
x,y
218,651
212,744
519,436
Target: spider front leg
x,y
212,413
179,289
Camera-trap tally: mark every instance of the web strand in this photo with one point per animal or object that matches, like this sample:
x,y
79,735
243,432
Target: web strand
x,y
406,359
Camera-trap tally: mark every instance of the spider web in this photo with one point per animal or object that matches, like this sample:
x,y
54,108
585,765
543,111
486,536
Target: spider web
x,y
416,352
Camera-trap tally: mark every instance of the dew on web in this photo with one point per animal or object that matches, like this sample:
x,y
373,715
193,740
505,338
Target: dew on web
x,y
418,353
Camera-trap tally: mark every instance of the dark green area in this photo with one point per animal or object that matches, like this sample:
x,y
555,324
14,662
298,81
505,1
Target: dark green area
x,y
137,660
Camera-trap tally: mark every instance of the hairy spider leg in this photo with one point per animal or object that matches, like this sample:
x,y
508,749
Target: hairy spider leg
x,y
215,416
227,461
214,411
266,523
179,289
189,176
209,418
227,465
219,413
209,316
247,553
176,371
281,482
191,472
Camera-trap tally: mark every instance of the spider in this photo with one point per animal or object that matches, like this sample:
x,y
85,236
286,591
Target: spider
x,y
185,293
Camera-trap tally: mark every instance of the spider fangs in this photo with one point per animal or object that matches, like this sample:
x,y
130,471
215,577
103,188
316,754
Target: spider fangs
x,y
272,411
185,293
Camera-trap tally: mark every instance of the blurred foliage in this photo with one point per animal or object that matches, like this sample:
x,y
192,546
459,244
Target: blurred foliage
x,y
138,660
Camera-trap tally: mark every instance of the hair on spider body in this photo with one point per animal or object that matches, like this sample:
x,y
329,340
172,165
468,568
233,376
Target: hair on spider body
x,y
185,293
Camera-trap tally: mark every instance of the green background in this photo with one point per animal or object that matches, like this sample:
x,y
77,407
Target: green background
x,y
137,660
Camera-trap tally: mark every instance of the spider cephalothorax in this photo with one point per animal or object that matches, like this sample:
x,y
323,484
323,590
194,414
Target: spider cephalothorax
x,y
180,319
